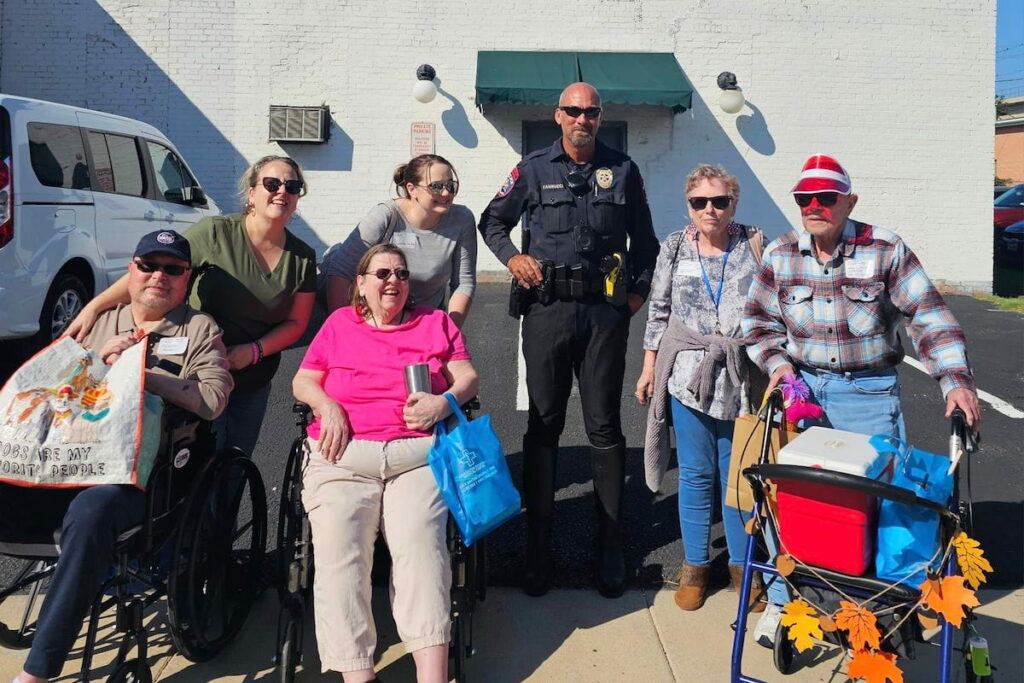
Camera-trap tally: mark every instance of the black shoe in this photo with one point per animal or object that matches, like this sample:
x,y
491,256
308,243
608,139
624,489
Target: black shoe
x,y
609,468
539,497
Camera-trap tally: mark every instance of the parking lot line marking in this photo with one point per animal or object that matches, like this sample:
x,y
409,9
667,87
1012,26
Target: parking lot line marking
x,y
997,403
522,398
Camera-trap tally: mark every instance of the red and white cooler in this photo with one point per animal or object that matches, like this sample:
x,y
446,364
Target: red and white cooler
x,y
826,526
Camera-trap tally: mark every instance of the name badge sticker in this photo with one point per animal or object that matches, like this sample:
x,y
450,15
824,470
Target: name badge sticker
x,y
688,268
405,240
172,346
858,269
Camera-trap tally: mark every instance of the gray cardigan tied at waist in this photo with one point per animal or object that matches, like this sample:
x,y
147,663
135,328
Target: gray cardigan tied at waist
x,y
679,337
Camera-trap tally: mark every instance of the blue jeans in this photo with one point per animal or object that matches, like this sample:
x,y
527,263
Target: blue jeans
x,y
239,424
867,402
703,445
91,526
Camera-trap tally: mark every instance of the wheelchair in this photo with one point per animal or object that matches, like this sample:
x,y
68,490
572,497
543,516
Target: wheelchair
x,y
895,603
295,568
200,544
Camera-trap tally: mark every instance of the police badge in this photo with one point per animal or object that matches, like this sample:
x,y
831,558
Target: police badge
x,y
604,177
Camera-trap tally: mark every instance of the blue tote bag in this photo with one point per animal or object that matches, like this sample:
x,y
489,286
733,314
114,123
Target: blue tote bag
x,y
470,469
908,535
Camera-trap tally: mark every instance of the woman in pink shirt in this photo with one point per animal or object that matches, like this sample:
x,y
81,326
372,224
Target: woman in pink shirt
x,y
366,470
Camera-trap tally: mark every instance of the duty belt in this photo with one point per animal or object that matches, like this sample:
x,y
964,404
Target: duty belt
x,y
571,282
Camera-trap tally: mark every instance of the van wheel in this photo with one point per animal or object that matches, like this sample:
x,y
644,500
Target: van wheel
x,y
65,300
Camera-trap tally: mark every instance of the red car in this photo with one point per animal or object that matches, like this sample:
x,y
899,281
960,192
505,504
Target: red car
x,y
1009,208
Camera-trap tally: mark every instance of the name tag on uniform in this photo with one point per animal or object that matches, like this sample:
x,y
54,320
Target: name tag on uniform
x,y
858,270
172,346
405,240
688,268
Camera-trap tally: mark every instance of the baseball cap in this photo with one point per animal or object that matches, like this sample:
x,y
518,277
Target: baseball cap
x,y
165,242
822,173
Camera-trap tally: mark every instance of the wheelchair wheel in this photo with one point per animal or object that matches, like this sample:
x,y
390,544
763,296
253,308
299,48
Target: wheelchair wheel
x,y
291,519
289,652
457,649
479,551
132,671
218,555
31,577
783,650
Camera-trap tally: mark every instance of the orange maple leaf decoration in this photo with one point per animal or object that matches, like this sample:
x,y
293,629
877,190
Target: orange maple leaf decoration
x,y
948,597
874,667
859,624
802,621
971,559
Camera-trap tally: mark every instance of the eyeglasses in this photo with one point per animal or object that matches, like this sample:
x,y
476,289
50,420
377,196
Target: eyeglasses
x,y
574,112
171,269
824,198
435,187
272,185
384,273
720,203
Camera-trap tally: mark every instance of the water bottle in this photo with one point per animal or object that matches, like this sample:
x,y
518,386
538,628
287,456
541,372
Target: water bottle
x,y
417,378
980,664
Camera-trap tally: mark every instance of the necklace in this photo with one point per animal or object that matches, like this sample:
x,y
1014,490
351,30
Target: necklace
x,y
401,319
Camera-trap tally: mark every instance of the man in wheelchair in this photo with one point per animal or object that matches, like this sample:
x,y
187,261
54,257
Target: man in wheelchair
x,y
186,365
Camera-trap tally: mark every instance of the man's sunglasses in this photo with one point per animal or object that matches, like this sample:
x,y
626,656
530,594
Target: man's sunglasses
x,y
824,198
147,266
574,112
720,203
385,273
272,185
438,185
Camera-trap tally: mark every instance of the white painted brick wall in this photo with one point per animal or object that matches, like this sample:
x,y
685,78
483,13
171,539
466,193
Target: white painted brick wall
x,y
900,92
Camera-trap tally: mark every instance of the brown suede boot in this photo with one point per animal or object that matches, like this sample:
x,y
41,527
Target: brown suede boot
x,y
757,598
693,586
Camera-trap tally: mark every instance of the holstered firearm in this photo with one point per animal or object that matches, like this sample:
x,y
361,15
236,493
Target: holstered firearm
x,y
520,297
616,278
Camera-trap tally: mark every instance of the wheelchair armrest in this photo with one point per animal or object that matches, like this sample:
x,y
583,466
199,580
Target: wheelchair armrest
x,y
303,414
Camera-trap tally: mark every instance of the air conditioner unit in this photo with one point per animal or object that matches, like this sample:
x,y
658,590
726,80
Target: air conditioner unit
x,y
299,124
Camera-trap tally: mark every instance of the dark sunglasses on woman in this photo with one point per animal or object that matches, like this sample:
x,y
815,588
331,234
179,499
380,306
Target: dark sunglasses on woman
x,y
435,187
720,203
824,198
589,112
272,185
171,269
385,273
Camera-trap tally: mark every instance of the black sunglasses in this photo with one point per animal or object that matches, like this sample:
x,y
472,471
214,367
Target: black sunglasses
x,y
171,269
720,203
574,112
824,198
272,185
438,185
385,273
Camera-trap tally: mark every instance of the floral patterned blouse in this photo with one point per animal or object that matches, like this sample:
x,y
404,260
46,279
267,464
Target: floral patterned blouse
x,y
678,289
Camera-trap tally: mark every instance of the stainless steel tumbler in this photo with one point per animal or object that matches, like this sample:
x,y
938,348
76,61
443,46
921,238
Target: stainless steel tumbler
x,y
417,378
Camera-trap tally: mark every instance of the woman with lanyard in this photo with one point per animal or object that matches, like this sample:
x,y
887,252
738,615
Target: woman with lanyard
x,y
695,366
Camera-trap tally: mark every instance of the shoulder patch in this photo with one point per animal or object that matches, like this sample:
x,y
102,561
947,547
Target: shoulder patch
x,y
509,183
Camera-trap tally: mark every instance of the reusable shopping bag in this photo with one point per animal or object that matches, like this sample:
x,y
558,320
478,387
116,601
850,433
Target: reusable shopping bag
x,y
66,419
747,435
470,469
908,535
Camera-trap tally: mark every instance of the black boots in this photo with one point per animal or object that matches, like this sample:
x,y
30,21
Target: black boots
x,y
609,467
539,497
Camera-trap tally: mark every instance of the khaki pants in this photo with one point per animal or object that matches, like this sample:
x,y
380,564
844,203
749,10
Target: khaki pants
x,y
386,486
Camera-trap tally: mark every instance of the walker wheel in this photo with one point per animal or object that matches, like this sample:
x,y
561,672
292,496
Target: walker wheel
x,y
783,650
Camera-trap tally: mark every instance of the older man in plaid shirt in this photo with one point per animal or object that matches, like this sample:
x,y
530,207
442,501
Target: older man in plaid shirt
x,y
829,300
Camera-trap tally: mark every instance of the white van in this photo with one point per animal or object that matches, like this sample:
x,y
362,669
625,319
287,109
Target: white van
x,y
78,188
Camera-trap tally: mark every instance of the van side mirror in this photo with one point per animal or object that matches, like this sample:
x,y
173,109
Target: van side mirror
x,y
193,196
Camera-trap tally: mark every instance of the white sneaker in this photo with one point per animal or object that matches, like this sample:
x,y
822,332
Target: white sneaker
x,y
767,625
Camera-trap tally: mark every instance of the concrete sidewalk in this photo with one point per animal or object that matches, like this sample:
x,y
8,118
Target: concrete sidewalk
x,y
568,635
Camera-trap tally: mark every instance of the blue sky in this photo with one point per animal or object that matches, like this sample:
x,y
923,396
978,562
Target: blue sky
x,y
1010,48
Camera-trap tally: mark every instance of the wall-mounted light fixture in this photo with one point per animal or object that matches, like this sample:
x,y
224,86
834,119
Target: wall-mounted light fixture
x,y
731,100
425,90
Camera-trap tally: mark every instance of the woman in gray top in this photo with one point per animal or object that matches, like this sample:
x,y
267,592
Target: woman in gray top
x,y
695,365
437,236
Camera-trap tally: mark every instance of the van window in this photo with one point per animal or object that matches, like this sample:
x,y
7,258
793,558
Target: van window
x,y
171,174
58,156
116,162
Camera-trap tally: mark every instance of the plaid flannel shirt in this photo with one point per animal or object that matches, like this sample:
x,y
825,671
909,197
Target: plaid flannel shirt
x,y
844,315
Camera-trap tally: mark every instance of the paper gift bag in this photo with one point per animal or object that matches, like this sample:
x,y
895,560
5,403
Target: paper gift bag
x,y
746,450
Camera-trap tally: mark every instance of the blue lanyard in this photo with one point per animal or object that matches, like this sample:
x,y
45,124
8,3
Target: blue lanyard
x,y
716,298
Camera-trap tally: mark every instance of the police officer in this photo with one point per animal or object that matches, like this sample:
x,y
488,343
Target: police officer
x,y
578,285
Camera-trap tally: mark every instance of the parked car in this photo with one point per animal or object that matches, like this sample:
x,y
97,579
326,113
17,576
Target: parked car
x,y
998,190
1009,208
1009,248
78,188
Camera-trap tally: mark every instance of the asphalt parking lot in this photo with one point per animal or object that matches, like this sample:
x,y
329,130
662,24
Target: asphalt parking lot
x,y
996,341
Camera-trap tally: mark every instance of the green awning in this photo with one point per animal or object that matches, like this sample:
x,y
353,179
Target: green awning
x,y
537,78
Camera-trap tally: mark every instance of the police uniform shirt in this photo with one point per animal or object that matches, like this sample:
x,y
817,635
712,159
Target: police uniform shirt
x,y
614,206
